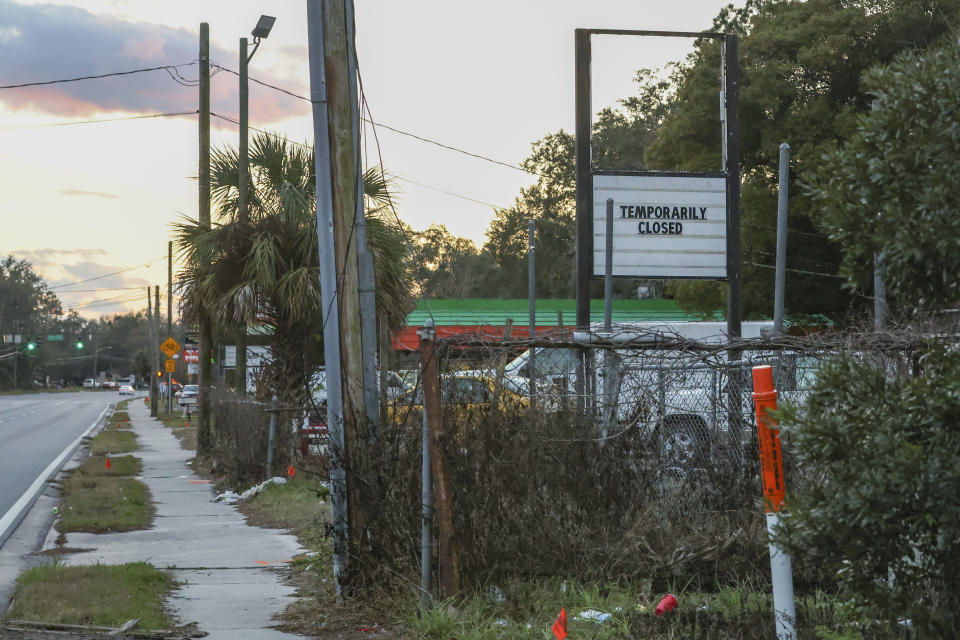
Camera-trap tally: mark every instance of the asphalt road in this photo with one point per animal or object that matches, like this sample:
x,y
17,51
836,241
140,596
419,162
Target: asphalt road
x,y
35,428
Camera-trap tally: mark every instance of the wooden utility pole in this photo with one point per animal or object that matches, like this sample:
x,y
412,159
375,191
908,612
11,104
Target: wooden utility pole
x,y
343,174
204,434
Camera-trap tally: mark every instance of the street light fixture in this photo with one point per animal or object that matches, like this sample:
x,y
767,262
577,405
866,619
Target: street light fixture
x,y
262,30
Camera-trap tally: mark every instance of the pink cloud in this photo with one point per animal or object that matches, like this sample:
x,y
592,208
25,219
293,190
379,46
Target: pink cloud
x,y
149,49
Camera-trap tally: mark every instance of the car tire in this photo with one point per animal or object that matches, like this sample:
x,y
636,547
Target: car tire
x,y
683,441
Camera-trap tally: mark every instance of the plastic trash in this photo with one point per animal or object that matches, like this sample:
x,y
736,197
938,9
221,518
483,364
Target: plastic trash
x,y
668,603
592,615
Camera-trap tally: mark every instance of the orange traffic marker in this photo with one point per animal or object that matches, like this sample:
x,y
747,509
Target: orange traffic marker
x,y
107,464
291,472
559,627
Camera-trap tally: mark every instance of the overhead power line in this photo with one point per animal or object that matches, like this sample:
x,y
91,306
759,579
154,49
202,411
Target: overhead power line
x,y
394,129
166,67
139,266
120,119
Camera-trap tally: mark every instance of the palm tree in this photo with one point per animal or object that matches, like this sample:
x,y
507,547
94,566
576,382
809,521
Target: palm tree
x,y
265,270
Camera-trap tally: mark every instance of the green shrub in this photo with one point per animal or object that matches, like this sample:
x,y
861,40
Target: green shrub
x,y
883,441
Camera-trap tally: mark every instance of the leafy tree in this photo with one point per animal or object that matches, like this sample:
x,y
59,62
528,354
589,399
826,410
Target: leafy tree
x,y
801,67
881,446
446,266
265,270
894,185
620,138
27,308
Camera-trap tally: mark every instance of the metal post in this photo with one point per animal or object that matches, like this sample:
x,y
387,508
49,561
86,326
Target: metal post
x,y
731,90
879,294
584,188
584,209
272,438
609,384
779,287
328,289
426,517
532,295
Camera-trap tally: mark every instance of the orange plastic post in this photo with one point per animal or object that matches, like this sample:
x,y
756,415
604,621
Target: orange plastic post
x,y
771,455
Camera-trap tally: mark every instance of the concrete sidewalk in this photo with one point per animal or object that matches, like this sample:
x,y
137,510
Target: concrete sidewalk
x,y
231,585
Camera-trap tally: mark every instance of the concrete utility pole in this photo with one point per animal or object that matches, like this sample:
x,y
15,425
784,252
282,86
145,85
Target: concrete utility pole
x,y
240,368
329,292
343,173
204,435
153,345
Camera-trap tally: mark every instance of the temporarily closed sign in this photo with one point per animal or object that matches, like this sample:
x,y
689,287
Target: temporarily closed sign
x,y
663,226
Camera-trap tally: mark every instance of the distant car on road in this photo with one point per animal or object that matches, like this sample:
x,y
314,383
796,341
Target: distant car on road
x,y
188,396
109,384
89,383
126,390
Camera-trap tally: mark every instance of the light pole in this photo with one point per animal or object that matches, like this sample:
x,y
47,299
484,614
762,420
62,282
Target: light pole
x,y
262,30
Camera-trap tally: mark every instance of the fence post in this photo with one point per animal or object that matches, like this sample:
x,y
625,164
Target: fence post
x,y
273,434
443,497
771,471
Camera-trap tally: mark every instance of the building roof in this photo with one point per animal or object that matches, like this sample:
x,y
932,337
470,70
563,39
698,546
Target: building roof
x,y
484,311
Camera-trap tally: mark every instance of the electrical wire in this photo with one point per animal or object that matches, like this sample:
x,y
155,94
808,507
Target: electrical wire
x,y
449,193
139,266
121,119
165,67
809,273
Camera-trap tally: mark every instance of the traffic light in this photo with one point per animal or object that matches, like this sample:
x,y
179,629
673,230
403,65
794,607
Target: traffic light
x,y
31,346
79,345
159,374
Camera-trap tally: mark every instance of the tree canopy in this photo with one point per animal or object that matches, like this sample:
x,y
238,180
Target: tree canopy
x,y
894,186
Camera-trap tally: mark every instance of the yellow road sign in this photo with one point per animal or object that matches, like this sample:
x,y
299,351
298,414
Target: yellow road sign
x,y
170,347
170,365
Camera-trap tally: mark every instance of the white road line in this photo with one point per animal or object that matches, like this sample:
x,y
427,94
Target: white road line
x,y
15,514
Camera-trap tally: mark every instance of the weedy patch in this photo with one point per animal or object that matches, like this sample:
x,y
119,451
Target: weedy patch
x,y
101,504
101,595
119,466
113,441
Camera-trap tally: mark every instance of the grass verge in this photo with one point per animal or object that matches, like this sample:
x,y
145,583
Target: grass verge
x,y
113,441
99,595
99,499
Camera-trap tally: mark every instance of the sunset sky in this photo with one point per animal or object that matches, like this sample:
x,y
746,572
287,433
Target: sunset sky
x,y
81,201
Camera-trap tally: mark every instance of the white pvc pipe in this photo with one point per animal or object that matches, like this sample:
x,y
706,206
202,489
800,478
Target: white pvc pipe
x,y
781,572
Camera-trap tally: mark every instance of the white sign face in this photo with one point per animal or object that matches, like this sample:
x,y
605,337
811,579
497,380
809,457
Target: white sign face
x,y
663,226
230,355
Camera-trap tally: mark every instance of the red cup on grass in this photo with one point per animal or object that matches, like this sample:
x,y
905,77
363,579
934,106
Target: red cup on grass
x,y
668,603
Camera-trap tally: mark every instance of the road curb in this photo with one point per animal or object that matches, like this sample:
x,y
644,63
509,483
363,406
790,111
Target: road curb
x,y
15,515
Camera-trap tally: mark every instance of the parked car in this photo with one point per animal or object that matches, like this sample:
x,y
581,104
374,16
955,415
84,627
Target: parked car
x,y
126,390
109,384
89,383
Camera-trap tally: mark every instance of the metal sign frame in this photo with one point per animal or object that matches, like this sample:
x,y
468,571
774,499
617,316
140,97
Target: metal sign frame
x,y
584,170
